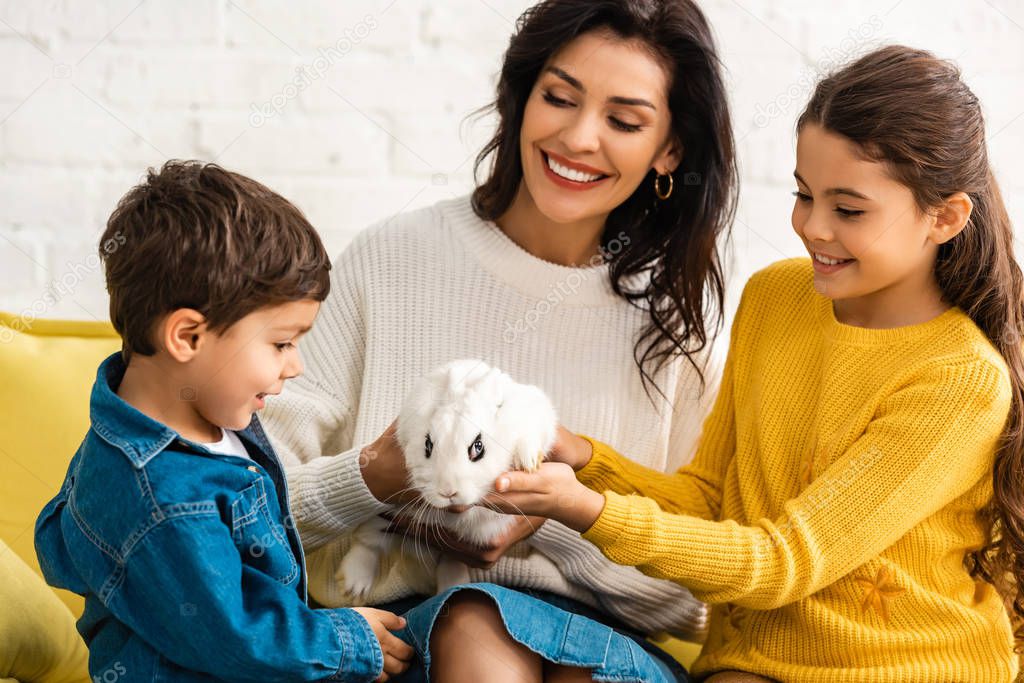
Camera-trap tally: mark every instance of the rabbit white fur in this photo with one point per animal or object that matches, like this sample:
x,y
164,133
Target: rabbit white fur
x,y
460,427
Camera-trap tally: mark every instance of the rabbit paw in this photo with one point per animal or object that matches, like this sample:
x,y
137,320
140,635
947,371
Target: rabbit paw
x,y
358,572
450,573
532,449
529,412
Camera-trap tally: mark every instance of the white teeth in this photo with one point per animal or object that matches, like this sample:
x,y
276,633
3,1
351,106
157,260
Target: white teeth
x,y
828,261
570,174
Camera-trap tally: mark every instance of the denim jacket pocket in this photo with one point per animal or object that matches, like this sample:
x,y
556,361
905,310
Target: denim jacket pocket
x,y
261,540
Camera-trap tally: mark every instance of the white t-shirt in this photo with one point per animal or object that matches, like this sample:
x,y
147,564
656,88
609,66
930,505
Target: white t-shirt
x,y
229,444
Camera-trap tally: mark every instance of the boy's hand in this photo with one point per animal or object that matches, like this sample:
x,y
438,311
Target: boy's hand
x,y
397,653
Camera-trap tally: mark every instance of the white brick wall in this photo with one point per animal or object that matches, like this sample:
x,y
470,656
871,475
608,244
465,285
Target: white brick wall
x,y
95,92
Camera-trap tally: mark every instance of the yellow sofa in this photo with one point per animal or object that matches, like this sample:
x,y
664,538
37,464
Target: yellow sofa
x,y
49,367
38,639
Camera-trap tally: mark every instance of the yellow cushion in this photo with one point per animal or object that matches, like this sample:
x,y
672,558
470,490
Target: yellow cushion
x,y
38,640
48,368
684,651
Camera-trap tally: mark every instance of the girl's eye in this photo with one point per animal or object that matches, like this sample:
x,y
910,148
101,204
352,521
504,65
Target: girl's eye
x,y
428,446
623,126
801,197
556,101
848,213
283,346
476,450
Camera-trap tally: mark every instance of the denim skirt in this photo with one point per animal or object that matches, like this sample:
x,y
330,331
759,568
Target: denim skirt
x,y
559,629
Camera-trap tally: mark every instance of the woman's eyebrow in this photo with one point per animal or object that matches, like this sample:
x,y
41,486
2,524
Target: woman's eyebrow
x,y
575,83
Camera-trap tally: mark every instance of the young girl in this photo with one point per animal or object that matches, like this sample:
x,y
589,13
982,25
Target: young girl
x,y
855,493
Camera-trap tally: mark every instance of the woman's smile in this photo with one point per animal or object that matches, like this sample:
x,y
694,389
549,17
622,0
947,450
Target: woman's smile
x,y
569,174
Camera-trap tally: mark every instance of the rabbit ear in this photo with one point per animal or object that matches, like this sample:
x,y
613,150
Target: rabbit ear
x,y
527,412
493,387
416,411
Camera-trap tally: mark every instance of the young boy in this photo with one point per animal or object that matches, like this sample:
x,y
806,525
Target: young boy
x,y
173,520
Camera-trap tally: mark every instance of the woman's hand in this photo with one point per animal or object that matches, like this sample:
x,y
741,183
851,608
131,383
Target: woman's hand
x,y
571,449
551,491
384,472
480,557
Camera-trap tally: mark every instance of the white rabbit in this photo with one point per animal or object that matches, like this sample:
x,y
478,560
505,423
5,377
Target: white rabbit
x,y
460,427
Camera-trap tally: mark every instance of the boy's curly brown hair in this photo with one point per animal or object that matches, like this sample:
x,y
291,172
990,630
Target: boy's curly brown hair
x,y
194,235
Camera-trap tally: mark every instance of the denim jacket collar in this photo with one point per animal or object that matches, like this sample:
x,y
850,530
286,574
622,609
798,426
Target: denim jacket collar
x,y
112,418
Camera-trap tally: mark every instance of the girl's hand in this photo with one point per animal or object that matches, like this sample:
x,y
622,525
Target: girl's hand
x,y
571,449
551,491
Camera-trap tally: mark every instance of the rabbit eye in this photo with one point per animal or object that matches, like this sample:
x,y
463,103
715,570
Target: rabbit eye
x,y
476,450
428,446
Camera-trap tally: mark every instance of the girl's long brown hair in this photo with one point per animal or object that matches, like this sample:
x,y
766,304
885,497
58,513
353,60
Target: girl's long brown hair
x,y
912,111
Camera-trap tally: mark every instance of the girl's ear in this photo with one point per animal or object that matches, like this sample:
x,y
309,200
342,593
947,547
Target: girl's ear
x,y
952,217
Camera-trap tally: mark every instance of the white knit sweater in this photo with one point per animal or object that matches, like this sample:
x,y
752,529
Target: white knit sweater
x,y
436,284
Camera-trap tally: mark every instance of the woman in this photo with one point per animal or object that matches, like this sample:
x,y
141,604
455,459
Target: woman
x,y
614,149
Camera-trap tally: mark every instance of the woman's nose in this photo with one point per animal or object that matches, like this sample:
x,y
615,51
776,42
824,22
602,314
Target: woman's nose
x,y
582,135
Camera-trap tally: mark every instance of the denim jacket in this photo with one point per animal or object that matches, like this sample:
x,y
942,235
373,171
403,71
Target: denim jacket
x,y
189,564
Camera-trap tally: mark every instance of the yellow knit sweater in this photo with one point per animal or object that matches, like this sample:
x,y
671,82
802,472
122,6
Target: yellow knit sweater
x,y
832,498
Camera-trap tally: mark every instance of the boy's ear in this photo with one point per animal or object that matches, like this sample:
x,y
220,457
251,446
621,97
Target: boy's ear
x,y
952,217
181,333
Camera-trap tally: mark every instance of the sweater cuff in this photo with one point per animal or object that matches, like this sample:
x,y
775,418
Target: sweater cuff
x,y
361,656
614,520
329,497
602,468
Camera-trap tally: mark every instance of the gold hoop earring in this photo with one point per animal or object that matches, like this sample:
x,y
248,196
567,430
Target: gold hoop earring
x,y
657,186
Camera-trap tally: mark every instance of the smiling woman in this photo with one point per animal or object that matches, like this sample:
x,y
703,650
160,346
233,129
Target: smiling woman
x,y
601,106
589,140
610,182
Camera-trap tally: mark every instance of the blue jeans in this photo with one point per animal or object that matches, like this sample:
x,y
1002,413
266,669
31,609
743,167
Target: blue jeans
x,y
561,630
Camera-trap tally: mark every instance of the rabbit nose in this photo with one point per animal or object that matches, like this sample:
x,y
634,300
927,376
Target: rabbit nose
x,y
445,494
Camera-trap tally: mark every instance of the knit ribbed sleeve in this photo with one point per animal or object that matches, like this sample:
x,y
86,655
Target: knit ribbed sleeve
x,y
917,456
694,490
